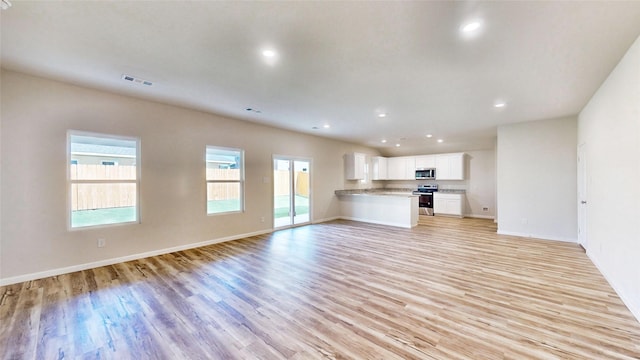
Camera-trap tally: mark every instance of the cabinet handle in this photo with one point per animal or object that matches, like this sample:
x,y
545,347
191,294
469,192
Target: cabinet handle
x,y
583,202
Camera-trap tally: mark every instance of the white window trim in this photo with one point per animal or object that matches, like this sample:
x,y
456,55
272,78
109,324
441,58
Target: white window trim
x,y
241,181
71,182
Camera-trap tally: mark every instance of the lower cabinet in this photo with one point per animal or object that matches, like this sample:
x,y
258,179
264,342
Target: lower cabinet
x,y
448,204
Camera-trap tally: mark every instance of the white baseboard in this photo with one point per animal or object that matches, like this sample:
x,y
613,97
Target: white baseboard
x,y
627,300
479,216
91,265
538,236
376,222
318,221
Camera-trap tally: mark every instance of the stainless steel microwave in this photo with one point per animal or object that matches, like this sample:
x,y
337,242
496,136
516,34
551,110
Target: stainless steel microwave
x,y
425,174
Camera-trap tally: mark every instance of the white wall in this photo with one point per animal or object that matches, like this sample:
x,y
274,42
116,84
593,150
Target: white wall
x,y
36,114
0,176
480,172
609,126
536,166
481,190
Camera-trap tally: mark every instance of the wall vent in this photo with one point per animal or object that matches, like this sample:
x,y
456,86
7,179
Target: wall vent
x,y
136,80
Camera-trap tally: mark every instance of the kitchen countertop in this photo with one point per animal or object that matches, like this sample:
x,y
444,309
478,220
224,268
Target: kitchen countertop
x,y
385,192
452,191
393,191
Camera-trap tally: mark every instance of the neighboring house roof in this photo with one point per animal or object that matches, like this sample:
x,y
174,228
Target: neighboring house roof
x,y
104,150
224,156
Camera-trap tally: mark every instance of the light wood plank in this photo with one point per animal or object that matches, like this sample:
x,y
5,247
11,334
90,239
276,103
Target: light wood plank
x,y
448,289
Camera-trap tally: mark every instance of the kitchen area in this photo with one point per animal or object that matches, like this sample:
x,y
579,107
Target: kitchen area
x,y
396,191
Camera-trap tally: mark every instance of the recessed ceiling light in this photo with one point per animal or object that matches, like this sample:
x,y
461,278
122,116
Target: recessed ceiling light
x,y
326,126
440,140
429,135
382,115
5,4
269,53
500,104
471,26
383,141
397,145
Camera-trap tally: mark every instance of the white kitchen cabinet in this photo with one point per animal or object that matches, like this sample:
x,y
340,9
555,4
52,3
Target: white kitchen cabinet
x,y
448,204
450,166
395,168
379,168
354,166
401,168
425,162
410,167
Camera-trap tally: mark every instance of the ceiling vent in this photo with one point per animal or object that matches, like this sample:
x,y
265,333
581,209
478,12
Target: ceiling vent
x,y
136,80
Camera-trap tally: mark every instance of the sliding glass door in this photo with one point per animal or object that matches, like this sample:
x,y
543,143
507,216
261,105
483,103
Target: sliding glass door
x,y
291,191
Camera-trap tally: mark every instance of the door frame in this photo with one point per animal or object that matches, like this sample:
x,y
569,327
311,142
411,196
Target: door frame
x,y
582,195
292,159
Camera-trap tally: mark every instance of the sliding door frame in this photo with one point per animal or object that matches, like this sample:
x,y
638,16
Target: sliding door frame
x,y
292,160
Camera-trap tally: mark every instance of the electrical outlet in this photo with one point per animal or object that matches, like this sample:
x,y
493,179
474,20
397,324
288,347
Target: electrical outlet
x,y
485,209
262,219
102,243
524,221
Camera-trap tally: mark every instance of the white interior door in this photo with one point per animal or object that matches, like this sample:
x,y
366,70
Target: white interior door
x,y
582,195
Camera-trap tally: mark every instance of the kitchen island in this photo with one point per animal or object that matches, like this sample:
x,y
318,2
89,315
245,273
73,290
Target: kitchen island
x,y
379,206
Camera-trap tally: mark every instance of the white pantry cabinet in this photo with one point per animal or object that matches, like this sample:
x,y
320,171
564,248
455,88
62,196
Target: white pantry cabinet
x,y
450,166
379,168
354,166
448,204
401,168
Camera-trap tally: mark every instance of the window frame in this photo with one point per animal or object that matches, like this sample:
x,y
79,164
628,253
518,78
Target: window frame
x,y
240,181
71,182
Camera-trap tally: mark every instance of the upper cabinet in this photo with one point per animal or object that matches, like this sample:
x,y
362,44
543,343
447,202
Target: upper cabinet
x,y
401,168
425,162
379,168
354,166
450,166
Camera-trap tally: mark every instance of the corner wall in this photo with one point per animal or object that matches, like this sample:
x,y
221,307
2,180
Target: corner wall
x,y
536,179
609,128
36,114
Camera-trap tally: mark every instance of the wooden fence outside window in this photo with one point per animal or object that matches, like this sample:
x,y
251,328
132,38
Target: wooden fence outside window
x,y
87,196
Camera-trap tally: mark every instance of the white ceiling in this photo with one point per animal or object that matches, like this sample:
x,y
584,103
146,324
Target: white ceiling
x,y
339,63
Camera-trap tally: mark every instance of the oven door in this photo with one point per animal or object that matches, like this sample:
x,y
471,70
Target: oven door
x,y
425,204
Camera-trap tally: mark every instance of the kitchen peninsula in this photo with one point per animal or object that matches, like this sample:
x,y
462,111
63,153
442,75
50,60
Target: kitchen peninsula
x,y
394,207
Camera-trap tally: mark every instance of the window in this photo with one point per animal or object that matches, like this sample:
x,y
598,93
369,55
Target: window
x,y
225,180
102,190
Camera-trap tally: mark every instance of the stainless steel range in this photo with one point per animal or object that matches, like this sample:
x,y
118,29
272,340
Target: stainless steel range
x,y
425,202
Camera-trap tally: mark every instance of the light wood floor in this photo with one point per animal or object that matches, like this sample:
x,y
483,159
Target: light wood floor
x,y
448,289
